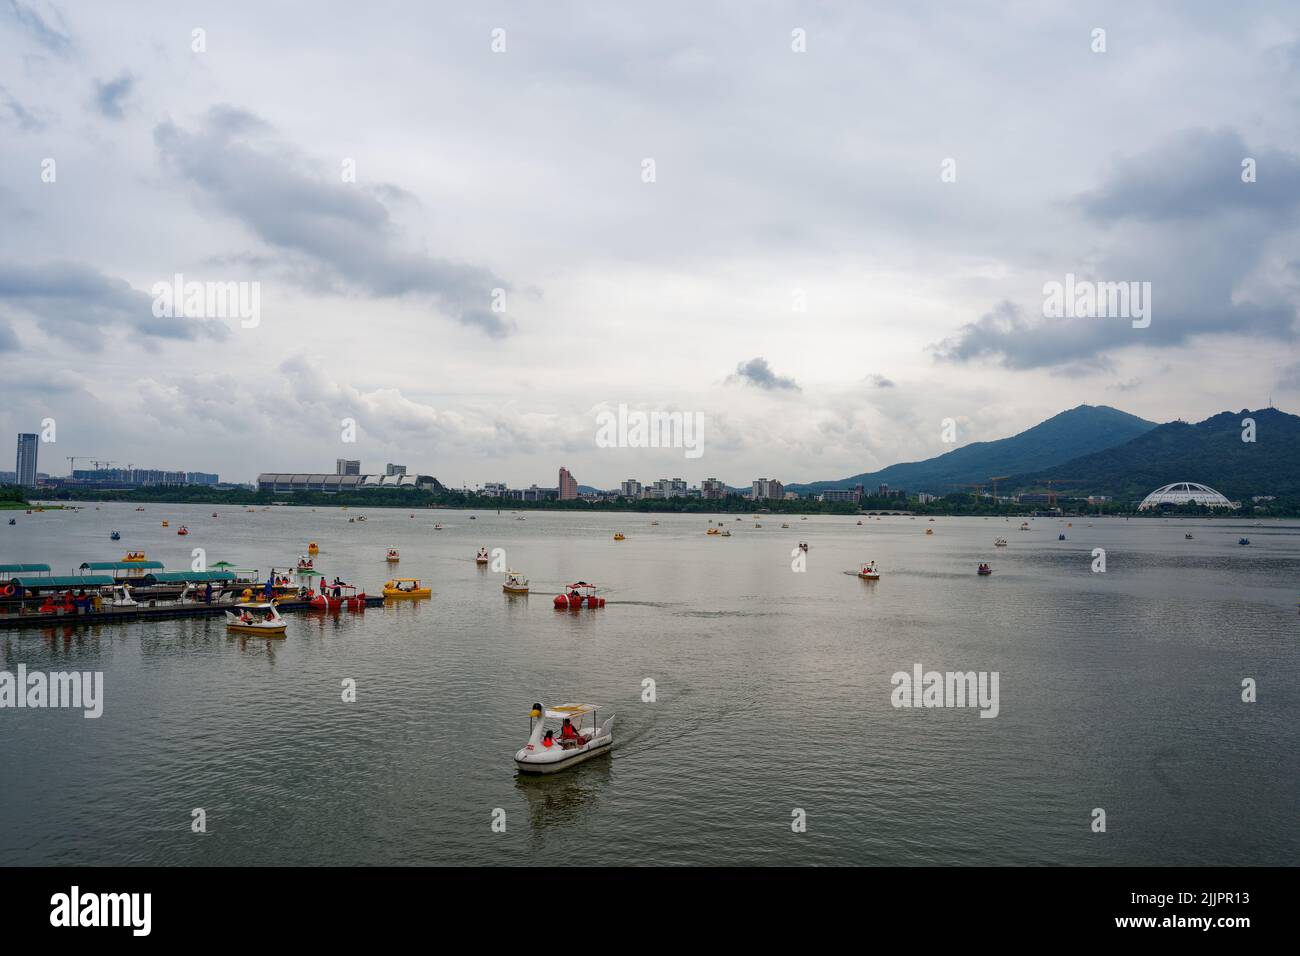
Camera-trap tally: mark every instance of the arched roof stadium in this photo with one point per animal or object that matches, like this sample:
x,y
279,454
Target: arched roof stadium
x,y
1185,493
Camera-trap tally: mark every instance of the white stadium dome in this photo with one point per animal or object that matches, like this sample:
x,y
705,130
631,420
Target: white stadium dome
x,y
1185,493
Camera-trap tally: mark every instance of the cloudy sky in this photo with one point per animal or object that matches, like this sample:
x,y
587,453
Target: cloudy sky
x,y
839,247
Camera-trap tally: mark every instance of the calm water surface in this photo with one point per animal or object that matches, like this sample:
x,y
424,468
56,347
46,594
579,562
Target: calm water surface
x,y
1118,690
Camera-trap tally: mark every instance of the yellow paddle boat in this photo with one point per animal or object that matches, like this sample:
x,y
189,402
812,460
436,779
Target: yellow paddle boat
x,y
516,583
619,536
313,548
132,557
405,588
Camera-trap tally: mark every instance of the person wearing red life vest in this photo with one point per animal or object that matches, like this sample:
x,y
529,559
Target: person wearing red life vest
x,y
569,733
547,740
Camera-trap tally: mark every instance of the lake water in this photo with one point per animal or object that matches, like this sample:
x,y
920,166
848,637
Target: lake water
x,y
1119,690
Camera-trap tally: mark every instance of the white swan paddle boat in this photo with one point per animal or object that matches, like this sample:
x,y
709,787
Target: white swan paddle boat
x,y
561,737
261,618
869,572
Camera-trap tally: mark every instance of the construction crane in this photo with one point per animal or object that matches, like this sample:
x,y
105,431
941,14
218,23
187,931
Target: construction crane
x,y
978,488
995,481
1051,493
72,462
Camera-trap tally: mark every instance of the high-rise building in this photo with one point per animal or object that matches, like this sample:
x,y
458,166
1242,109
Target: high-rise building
x,y
631,488
494,489
767,488
391,469
27,459
713,489
568,485
346,466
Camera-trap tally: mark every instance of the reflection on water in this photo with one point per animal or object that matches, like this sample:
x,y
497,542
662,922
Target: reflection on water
x,y
1119,690
563,799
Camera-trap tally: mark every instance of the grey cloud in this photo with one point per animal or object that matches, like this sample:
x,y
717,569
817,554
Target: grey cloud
x,y
60,294
51,37
18,113
1195,174
8,340
342,233
758,373
110,96
879,381
1185,222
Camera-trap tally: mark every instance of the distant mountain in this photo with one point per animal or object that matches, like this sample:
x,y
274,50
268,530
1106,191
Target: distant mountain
x,y
1210,452
1079,431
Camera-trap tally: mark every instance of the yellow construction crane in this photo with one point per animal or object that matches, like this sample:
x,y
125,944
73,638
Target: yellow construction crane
x,y
995,479
1051,493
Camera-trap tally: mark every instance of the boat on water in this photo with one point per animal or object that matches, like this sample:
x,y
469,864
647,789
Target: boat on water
x,y
859,524
757,525
141,508
562,737
984,569
869,572
784,525
473,517
726,533
313,547
305,563
1024,526
133,557
1188,536
482,556
262,618
1060,537
515,583
361,517
713,531
575,595
521,518
803,545
999,542
929,531
214,514
336,596
1243,541
13,520
438,526
114,536
653,523
182,530
406,588
165,524
619,536
393,556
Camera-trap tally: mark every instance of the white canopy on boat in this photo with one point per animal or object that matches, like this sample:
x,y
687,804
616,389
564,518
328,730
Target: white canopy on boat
x,y
569,710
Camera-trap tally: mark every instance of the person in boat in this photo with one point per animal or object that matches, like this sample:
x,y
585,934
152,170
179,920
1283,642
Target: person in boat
x,y
548,740
207,593
569,733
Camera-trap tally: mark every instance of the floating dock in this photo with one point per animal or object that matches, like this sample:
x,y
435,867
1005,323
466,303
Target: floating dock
x,y
143,612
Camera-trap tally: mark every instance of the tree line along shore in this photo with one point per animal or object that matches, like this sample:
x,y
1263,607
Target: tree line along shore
x,y
957,504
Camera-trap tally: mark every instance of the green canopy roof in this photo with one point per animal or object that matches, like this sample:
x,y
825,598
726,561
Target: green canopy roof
x,y
121,565
166,577
24,568
67,581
